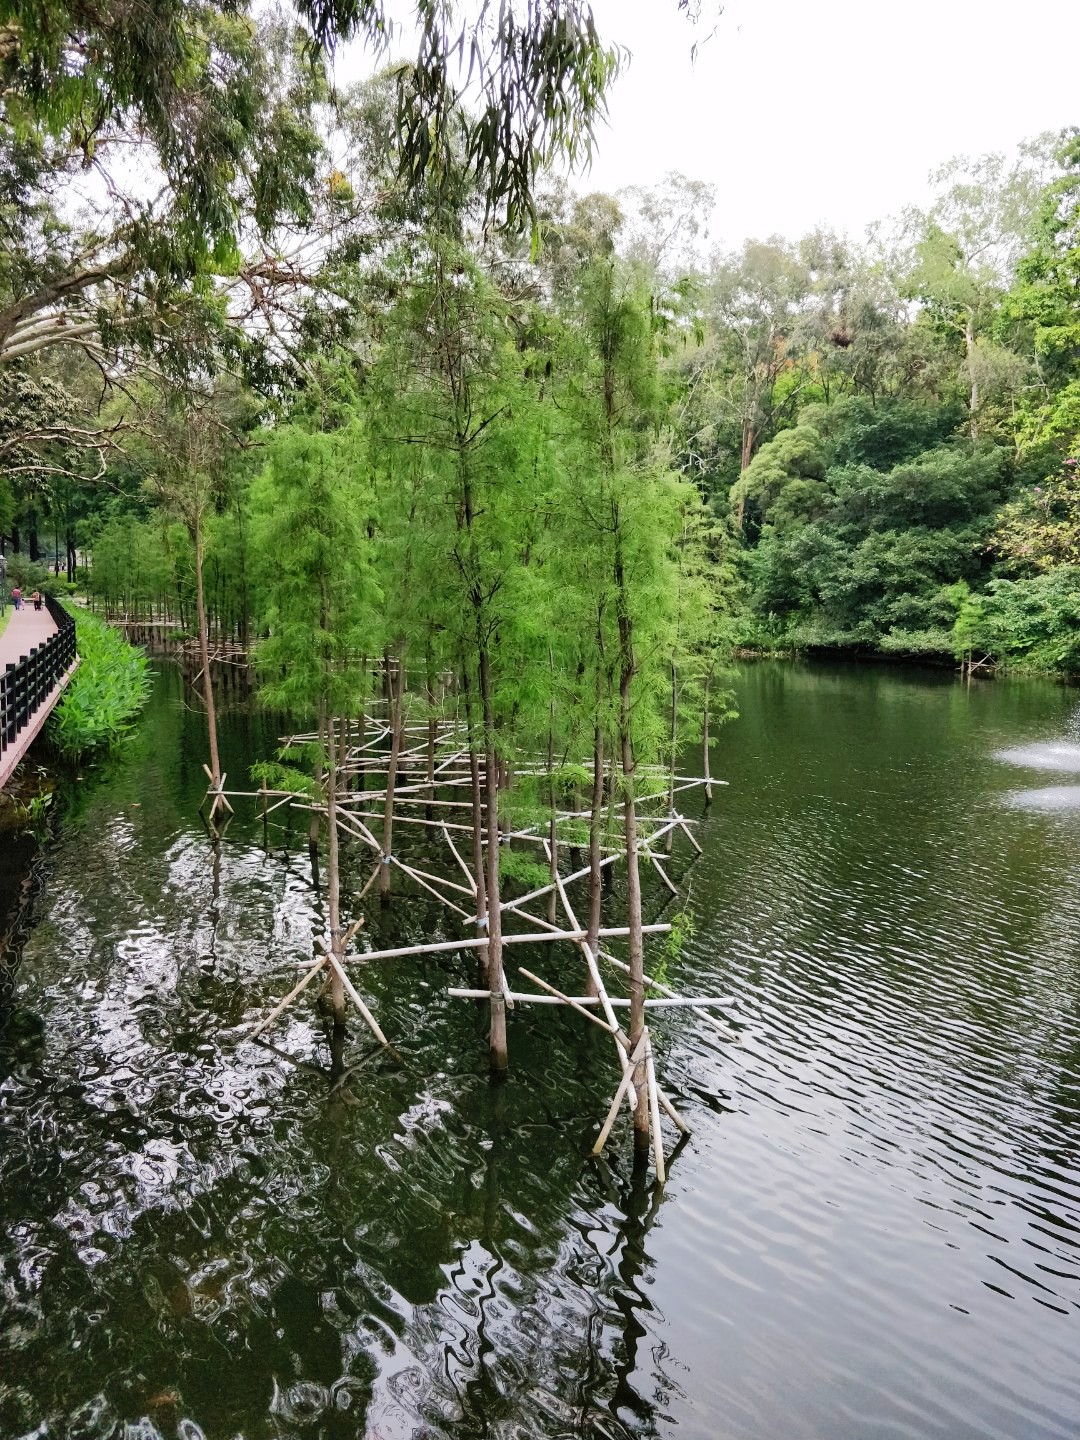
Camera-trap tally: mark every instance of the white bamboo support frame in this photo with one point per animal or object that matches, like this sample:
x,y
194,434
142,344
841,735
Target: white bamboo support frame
x,y
417,788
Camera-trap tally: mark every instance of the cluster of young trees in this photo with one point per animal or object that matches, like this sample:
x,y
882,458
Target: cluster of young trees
x,y
882,432
328,372
352,379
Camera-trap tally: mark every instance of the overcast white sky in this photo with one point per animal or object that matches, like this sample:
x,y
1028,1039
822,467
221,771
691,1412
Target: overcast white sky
x,y
833,112
830,113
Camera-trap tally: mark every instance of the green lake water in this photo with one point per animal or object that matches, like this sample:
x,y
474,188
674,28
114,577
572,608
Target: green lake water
x,y
873,1232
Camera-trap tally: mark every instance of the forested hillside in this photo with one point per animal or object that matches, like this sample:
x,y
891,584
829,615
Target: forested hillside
x,y
881,432
887,431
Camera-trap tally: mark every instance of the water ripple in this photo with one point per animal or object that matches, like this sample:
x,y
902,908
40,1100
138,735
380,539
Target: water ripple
x,y
875,1229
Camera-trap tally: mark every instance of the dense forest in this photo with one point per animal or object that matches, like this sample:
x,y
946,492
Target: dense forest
x,y
318,299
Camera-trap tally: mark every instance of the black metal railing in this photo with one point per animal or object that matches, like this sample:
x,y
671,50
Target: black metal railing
x,y
28,683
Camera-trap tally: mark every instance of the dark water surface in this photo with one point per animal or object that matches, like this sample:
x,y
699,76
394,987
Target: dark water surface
x,y
875,1230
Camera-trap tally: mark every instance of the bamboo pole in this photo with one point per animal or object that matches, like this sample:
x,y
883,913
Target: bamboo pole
x,y
457,856
597,986
370,881
308,976
354,996
567,999
436,879
625,1085
435,947
621,1002
654,1109
663,874
666,990
388,860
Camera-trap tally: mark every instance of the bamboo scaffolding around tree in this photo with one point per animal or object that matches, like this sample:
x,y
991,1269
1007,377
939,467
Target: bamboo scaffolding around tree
x,y
363,741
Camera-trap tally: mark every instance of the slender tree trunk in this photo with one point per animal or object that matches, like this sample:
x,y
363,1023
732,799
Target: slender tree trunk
x,y
596,808
553,824
361,728
706,772
432,735
333,873
969,350
669,838
596,826
497,1040
394,685
320,777
746,454
635,945
477,804
204,653
506,779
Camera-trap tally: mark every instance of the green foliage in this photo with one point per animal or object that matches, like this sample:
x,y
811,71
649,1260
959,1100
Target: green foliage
x,y
516,866
1030,624
29,575
572,832
867,556
1040,528
784,476
317,592
675,942
138,562
276,775
110,687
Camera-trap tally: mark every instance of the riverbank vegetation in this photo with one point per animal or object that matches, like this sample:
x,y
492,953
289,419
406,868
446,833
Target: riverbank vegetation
x,y
104,696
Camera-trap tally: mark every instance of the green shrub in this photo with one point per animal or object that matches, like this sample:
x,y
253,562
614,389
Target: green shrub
x,y
108,690
1031,624
29,575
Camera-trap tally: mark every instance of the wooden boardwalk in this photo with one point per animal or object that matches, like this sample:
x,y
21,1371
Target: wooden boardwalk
x,y
26,629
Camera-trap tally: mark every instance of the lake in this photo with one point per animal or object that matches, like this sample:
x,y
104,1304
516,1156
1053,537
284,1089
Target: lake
x,y
873,1231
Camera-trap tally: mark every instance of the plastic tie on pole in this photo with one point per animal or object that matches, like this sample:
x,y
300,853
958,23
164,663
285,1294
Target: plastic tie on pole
x,y
386,860
481,922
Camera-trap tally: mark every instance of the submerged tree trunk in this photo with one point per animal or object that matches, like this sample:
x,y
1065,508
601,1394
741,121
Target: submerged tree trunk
x,y
706,772
669,838
432,736
635,945
596,826
497,1050
333,874
204,656
477,806
394,688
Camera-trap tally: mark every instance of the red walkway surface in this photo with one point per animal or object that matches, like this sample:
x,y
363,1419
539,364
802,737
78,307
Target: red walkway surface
x,y
26,628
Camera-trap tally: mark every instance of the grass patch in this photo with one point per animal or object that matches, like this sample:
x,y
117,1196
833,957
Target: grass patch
x,y
110,687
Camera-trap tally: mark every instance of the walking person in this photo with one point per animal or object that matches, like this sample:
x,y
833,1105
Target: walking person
x,y
16,596
36,597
